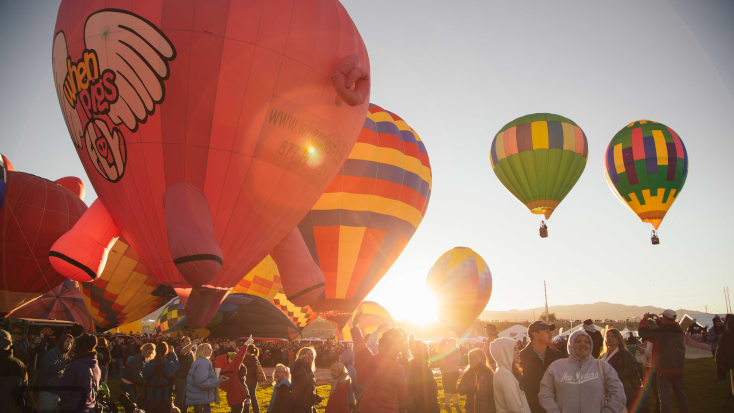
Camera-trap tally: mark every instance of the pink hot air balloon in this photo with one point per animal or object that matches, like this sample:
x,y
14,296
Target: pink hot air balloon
x,y
208,129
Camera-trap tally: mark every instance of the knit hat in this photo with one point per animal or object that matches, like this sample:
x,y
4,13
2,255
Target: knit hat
x,y
418,348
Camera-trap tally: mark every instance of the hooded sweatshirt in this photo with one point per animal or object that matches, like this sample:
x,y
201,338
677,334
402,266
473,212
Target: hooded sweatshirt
x,y
508,397
84,375
347,359
575,385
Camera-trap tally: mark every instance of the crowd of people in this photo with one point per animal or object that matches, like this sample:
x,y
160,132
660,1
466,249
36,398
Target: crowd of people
x,y
387,371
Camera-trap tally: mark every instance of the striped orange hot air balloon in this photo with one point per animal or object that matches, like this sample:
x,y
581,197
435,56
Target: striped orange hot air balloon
x,y
369,212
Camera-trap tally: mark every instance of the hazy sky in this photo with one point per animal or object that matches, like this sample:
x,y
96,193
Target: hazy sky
x,y
457,72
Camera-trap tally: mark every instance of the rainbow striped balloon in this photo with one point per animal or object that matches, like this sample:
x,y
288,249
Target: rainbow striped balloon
x,y
463,285
369,212
647,166
539,158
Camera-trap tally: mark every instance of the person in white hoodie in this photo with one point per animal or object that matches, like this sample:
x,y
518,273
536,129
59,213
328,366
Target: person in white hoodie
x,y
579,383
508,396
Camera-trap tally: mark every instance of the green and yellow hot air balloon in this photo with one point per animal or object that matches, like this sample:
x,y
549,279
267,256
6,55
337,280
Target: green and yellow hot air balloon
x,y
539,158
647,166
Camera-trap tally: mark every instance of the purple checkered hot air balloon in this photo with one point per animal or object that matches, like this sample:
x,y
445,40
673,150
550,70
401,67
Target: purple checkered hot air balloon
x,y
63,302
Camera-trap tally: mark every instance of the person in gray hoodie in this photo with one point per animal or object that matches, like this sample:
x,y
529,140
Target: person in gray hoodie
x,y
579,383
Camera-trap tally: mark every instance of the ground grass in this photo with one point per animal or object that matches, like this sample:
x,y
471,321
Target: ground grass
x,y
702,389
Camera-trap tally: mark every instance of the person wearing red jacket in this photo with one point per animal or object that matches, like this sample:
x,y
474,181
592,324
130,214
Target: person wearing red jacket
x,y
382,376
238,396
339,396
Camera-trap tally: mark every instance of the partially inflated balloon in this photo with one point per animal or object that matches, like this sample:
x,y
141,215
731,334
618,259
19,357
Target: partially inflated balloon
x,y
34,214
463,284
124,292
539,158
63,302
373,316
241,315
263,281
302,316
209,129
366,217
647,166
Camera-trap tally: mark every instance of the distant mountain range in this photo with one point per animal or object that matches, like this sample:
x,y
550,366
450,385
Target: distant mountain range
x,y
596,311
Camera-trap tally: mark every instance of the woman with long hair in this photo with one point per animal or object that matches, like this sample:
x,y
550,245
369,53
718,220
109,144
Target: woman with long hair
x,y
201,383
477,384
303,383
509,395
158,374
280,401
339,395
615,353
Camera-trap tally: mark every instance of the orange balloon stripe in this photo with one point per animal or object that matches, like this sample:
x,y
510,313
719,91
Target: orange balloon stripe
x,y
370,247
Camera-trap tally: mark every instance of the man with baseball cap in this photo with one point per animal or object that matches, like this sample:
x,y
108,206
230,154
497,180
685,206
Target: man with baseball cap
x,y
598,340
492,335
535,359
669,352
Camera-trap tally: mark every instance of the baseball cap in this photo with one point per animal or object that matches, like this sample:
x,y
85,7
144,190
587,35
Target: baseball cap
x,y
671,314
5,340
588,321
539,325
492,329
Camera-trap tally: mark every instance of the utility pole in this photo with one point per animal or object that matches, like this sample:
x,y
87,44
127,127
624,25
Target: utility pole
x,y
726,300
546,301
707,308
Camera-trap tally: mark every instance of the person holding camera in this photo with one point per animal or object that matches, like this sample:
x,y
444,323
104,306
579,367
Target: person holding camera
x,y
81,378
52,369
669,343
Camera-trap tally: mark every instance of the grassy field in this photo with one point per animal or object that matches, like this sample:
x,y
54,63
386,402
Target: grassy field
x,y
704,394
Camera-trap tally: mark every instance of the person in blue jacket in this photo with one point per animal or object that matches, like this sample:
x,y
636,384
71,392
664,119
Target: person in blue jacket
x,y
81,378
158,376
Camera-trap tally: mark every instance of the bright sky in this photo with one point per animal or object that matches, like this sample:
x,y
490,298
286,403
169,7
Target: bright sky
x,y
457,72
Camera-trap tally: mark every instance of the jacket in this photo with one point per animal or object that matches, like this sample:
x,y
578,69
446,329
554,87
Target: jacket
x,y
201,384
347,359
185,361
134,370
725,350
629,373
236,391
82,373
383,378
533,369
103,356
339,401
13,377
669,350
575,384
251,362
159,388
52,369
116,352
281,401
508,397
598,343
303,384
422,388
477,384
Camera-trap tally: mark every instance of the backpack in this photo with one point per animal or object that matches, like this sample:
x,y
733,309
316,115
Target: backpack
x,y
284,400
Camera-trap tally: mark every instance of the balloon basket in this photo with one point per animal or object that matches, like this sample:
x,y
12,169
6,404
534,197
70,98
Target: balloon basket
x,y
543,230
654,238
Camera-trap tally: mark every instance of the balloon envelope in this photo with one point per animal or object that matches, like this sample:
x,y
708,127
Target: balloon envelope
x,y
241,315
301,316
172,314
646,167
539,158
63,302
125,291
369,212
223,115
35,213
263,281
463,284
373,315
